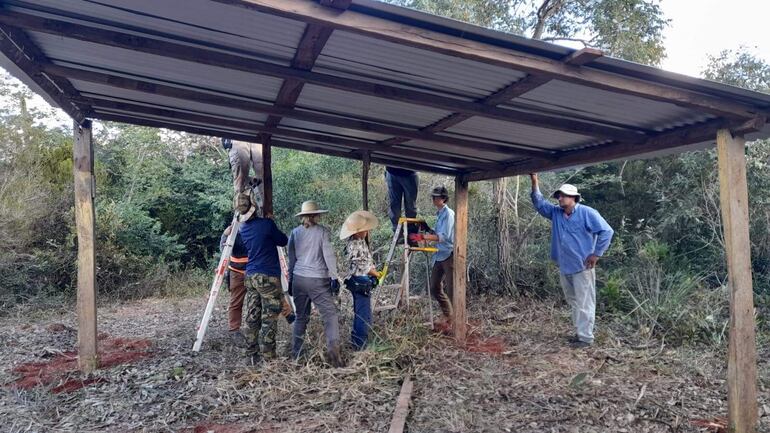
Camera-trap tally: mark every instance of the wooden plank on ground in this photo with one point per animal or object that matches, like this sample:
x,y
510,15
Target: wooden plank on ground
x,y
742,351
402,407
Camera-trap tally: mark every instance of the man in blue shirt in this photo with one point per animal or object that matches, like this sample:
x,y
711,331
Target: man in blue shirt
x,y
579,236
443,263
263,276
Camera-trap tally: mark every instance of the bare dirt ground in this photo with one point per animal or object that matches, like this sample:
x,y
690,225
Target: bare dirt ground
x,y
517,375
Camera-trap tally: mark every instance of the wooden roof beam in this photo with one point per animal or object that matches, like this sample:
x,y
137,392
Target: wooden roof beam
x,y
231,61
383,29
513,90
258,128
17,46
665,140
214,132
179,91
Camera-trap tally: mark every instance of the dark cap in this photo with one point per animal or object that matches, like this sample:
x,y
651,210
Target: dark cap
x,y
440,191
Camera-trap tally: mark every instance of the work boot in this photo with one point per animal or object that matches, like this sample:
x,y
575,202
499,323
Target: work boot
x,y
335,357
238,340
572,338
580,345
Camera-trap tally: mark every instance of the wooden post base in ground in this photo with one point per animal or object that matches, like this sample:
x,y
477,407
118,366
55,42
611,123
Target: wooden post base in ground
x,y
460,252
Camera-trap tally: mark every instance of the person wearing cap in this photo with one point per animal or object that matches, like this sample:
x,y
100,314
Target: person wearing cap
x,y
443,264
361,276
402,187
579,236
313,279
261,237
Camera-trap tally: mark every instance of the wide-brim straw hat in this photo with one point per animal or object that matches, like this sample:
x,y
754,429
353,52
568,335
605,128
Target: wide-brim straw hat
x,y
357,222
568,189
310,207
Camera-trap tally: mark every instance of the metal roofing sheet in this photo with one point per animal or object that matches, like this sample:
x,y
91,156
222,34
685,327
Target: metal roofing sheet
x,y
516,133
456,150
569,98
64,51
364,106
310,126
407,65
199,20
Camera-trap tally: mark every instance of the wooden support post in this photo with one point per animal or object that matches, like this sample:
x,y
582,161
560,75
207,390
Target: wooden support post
x,y
366,162
742,352
267,178
83,168
460,252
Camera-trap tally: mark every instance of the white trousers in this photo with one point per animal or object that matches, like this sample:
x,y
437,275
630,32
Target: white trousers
x,y
580,291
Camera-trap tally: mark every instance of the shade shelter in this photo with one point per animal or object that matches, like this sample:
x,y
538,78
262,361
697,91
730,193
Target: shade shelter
x,y
364,80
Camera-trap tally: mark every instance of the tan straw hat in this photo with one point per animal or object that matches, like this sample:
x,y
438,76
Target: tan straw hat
x,y
357,222
568,189
310,207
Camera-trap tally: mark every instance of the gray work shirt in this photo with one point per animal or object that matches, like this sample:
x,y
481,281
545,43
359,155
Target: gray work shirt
x,y
310,252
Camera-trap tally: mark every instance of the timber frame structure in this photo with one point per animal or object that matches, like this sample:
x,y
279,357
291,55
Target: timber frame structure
x,y
370,81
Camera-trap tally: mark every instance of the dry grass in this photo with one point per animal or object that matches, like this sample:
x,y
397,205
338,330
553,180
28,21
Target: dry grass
x,y
537,384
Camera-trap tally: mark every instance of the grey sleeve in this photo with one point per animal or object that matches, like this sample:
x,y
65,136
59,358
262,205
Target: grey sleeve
x,y
328,253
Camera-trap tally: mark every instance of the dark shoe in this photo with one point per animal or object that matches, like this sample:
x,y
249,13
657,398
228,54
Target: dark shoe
x,y
580,345
335,357
572,338
291,318
253,360
238,339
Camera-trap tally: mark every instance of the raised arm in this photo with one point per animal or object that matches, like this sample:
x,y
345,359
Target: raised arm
x,y
538,201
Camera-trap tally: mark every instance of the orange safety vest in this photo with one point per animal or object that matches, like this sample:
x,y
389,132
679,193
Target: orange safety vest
x,y
238,264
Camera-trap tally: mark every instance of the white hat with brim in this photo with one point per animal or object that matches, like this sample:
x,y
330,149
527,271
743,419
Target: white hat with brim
x,y
310,207
247,203
567,189
357,222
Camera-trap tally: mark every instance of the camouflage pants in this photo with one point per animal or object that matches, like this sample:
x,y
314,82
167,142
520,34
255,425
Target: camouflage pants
x,y
263,305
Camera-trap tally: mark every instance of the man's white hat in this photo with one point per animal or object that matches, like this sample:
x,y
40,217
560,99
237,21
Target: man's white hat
x,y
310,207
568,189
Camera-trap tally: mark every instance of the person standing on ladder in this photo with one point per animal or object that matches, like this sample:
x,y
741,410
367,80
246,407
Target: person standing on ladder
x,y
402,186
442,261
362,275
264,294
579,236
242,156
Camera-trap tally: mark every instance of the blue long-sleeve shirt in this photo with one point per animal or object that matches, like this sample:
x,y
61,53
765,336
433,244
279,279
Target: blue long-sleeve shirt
x,y
262,237
445,230
575,238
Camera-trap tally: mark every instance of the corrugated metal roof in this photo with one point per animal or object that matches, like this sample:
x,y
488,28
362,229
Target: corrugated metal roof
x,y
228,28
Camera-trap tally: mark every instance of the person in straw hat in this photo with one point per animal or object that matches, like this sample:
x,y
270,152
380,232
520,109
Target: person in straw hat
x,y
263,284
361,276
313,278
579,236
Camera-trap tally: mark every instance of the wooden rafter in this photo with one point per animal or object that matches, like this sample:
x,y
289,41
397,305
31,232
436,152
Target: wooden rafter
x,y
17,46
665,140
511,91
236,135
183,92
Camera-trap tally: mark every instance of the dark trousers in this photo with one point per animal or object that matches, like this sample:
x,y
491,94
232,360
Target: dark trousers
x,y
237,295
401,188
362,320
443,273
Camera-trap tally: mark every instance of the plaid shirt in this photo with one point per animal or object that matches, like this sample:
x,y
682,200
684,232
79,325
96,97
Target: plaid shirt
x,y
358,257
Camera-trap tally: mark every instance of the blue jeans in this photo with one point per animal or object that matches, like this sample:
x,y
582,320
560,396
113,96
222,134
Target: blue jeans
x,y
401,188
362,321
